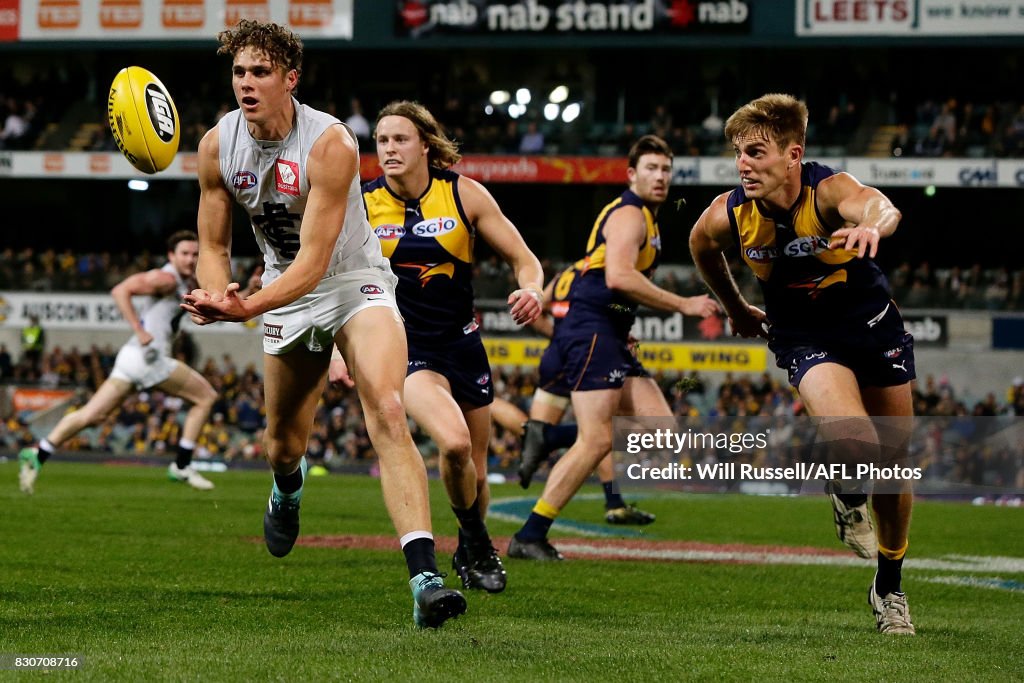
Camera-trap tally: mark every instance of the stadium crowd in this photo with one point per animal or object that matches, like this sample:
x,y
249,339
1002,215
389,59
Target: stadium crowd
x,y
916,285
44,102
150,422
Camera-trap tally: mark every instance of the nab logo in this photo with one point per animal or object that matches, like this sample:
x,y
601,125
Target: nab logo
x,y
389,232
243,180
287,173
371,289
273,332
434,227
160,112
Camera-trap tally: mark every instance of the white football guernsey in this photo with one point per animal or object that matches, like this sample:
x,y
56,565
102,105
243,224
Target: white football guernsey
x,y
268,178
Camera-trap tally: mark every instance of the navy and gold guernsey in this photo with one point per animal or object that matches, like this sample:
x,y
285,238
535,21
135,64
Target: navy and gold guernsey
x,y
429,241
823,305
810,291
592,306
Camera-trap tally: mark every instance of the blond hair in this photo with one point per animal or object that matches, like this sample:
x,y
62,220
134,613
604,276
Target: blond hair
x,y
441,152
777,117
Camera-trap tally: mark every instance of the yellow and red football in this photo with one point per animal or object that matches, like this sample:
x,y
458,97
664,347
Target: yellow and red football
x,y
143,119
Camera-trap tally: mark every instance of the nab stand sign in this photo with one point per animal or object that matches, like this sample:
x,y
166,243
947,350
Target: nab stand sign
x,y
928,330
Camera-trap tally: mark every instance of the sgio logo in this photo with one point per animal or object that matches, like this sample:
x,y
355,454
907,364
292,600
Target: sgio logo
x,y
433,227
805,246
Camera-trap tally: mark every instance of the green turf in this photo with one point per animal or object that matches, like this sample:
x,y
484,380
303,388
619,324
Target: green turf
x,y
150,580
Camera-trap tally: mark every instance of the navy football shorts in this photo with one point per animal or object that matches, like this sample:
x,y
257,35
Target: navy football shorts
x,y
463,363
887,365
587,363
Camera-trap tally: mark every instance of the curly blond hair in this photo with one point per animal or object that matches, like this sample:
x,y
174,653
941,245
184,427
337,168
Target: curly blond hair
x,y
278,43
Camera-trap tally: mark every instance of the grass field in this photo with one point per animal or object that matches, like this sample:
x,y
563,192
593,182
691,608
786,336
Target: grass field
x,y
149,580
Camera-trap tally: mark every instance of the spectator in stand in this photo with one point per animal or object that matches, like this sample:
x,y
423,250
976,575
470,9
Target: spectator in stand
x,y
6,365
33,343
357,122
532,141
14,133
934,145
661,121
945,122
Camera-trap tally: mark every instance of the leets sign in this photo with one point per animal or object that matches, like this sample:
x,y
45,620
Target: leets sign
x,y
909,18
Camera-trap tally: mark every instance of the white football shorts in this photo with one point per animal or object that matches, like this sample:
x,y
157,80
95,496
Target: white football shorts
x,y
315,318
142,366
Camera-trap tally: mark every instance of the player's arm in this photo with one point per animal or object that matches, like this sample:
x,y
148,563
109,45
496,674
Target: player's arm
x,y
710,237
150,283
330,167
624,234
544,325
865,213
498,231
213,269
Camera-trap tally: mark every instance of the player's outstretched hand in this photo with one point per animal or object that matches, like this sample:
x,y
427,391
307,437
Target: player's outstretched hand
x,y
860,238
525,305
206,308
702,306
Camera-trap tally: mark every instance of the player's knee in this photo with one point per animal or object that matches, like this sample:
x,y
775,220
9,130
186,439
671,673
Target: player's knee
x,y
595,443
283,449
387,412
455,447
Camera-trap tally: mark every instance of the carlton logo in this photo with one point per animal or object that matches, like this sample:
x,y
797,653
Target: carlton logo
x,y
273,332
389,232
236,10
310,13
183,14
121,13
371,289
243,180
59,14
432,227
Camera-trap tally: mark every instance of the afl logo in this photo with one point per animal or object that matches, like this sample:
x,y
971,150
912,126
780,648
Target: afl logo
x,y
484,379
160,112
389,232
432,227
371,289
243,180
762,254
